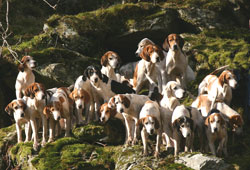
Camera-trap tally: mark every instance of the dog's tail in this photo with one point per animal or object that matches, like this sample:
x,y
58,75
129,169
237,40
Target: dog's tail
x,y
219,69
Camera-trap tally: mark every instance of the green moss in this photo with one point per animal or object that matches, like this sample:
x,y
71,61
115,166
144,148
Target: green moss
x,y
21,153
5,134
89,133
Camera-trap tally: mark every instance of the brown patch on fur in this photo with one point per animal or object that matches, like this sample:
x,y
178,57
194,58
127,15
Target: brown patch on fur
x,y
211,118
175,38
149,101
108,111
135,75
46,111
22,66
125,101
61,99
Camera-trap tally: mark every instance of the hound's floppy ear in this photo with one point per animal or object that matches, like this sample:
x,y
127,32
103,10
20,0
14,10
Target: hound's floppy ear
x,y
207,121
176,123
157,124
222,79
104,59
29,91
71,95
111,102
160,52
21,67
181,41
169,90
119,61
165,44
46,111
140,123
86,96
104,78
191,123
126,102
61,99
9,109
144,54
86,73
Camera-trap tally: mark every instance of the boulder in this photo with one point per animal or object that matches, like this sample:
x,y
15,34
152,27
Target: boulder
x,y
203,162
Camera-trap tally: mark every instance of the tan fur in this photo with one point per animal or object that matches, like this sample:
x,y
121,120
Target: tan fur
x,y
135,76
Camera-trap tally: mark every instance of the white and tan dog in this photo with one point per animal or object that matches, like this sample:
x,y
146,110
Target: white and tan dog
x,y
110,61
129,105
107,112
59,107
82,82
81,98
171,93
185,120
176,62
216,129
218,88
146,70
143,43
18,109
203,103
150,123
25,76
36,101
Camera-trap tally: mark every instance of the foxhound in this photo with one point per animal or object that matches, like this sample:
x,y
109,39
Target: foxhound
x,y
184,121
146,70
36,101
216,129
129,105
81,98
171,93
18,109
150,123
218,88
203,103
25,76
110,62
59,107
177,67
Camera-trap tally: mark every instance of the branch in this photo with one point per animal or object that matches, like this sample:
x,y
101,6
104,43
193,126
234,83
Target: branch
x,y
52,6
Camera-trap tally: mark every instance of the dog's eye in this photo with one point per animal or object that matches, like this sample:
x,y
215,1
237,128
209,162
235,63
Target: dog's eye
x,y
182,126
146,123
116,102
36,90
15,107
81,97
28,60
175,88
110,58
52,109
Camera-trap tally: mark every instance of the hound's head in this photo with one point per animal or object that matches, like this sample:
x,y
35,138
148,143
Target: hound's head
x,y
173,42
120,102
17,109
152,53
227,77
184,124
236,123
35,90
150,123
94,75
27,62
215,121
111,59
106,112
80,97
143,43
173,89
54,109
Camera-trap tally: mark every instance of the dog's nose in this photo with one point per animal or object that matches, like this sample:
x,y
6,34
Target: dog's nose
x,y
215,129
96,79
102,119
158,59
188,134
80,106
121,110
22,115
59,117
175,47
136,54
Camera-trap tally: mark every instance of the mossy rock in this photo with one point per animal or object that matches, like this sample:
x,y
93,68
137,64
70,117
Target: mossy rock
x,y
7,139
68,153
90,133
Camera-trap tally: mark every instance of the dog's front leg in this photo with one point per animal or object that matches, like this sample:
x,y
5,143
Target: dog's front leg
x,y
176,143
68,126
45,125
27,132
211,146
136,131
19,133
51,130
128,129
34,131
144,141
158,143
